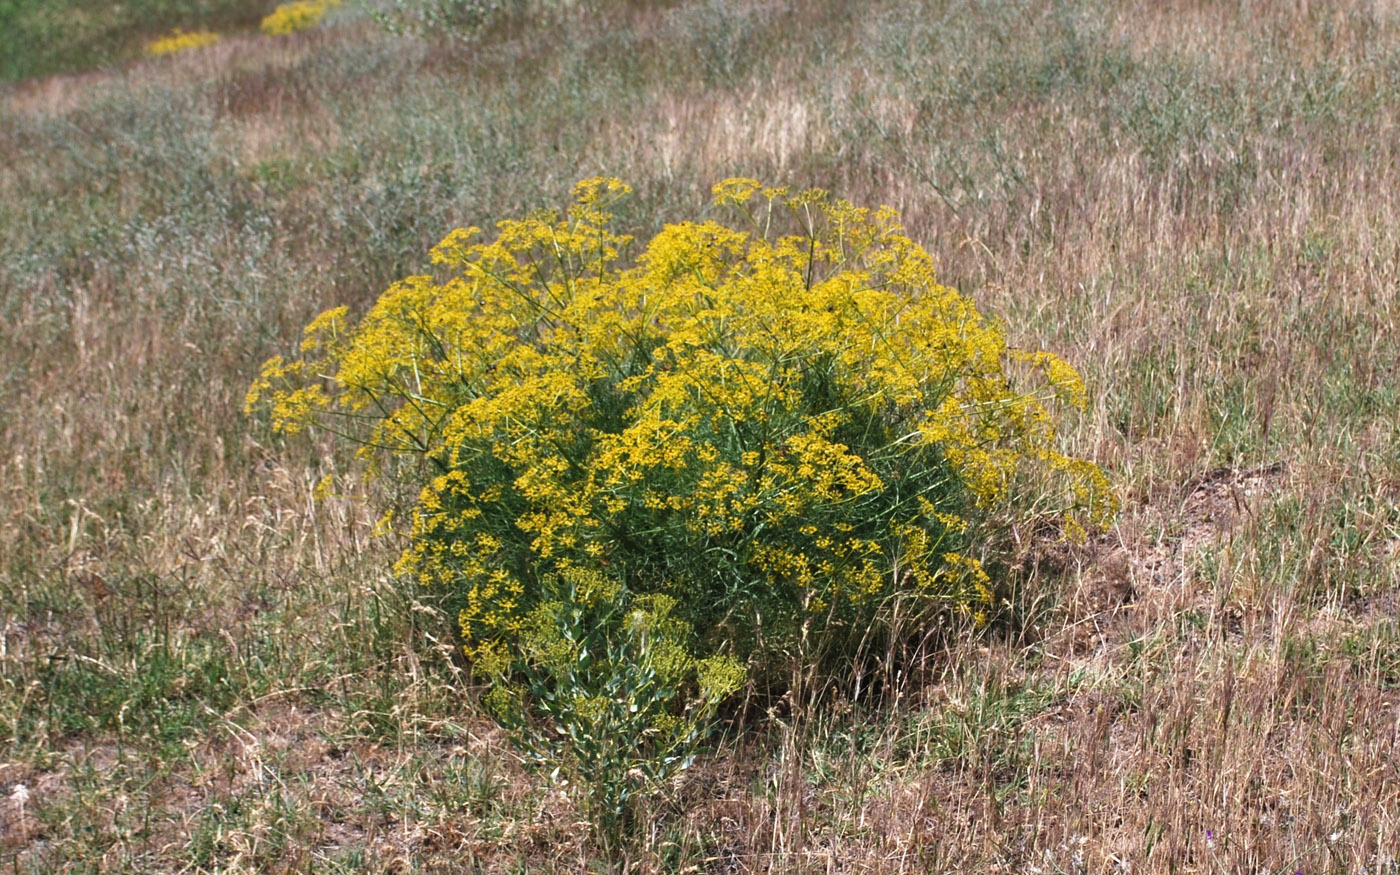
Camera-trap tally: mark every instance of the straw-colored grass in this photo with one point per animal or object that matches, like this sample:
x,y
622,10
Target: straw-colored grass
x,y
1196,203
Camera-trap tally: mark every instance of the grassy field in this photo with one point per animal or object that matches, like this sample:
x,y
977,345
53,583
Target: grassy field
x,y
1197,203
39,37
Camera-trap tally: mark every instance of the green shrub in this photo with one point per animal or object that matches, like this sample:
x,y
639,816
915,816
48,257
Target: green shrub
x,y
760,439
612,700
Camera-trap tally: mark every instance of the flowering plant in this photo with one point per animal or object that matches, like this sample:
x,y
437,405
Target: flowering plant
x,y
296,16
772,434
180,41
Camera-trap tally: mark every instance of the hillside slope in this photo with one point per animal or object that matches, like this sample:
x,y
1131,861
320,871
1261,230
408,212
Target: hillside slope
x,y
1197,203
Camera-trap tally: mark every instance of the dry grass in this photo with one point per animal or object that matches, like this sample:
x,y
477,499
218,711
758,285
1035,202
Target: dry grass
x,y
1198,203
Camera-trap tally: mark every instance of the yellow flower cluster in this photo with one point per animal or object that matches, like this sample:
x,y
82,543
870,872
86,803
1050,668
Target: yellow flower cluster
x,y
756,424
180,41
296,16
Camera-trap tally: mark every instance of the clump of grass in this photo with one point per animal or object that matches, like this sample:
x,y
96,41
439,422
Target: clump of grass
x,y
471,20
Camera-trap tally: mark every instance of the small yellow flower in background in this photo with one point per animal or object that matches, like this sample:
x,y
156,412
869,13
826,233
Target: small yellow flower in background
x,y
180,41
325,488
296,16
